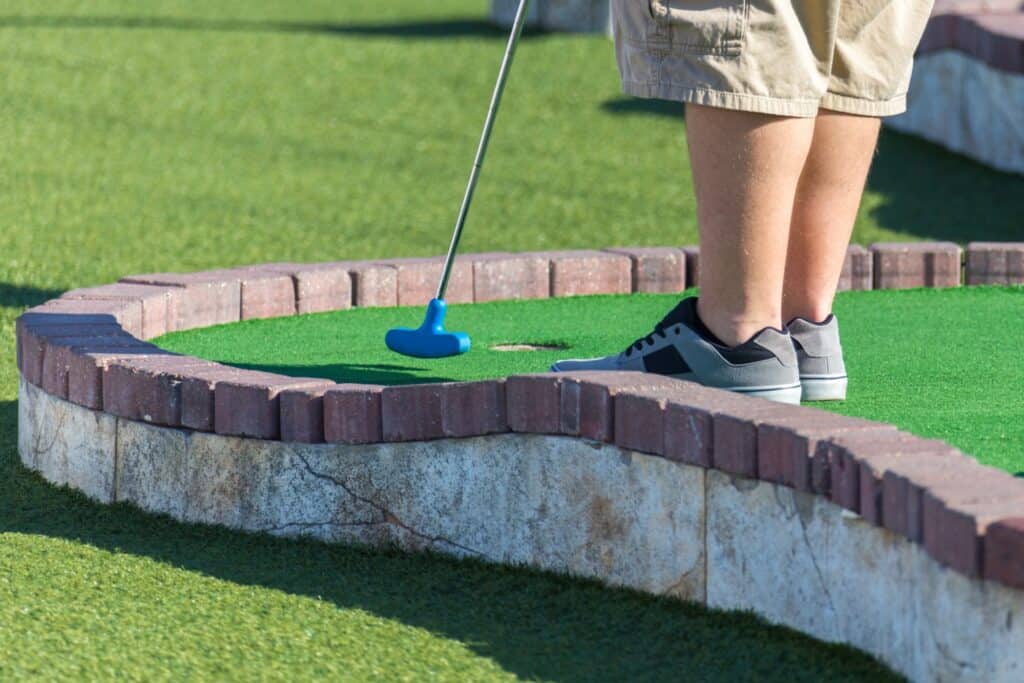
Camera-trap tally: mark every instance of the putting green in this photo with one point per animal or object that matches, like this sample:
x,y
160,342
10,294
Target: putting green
x,y
944,364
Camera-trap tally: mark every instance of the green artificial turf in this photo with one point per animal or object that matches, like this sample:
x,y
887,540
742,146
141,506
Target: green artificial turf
x,y
939,363
190,134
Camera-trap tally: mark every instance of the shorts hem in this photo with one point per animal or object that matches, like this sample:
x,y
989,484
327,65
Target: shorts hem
x,y
720,99
759,104
858,107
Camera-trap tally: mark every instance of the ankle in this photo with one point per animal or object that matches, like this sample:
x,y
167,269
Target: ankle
x,y
732,328
811,313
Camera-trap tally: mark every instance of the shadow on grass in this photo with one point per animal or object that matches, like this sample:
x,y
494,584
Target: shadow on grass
x,y
537,626
642,106
936,194
927,191
350,373
22,296
425,29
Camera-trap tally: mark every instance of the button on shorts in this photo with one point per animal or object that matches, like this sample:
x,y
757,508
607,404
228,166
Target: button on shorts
x,y
782,57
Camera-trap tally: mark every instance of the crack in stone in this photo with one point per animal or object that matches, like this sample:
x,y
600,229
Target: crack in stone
x,y
313,525
671,591
388,516
943,650
810,551
57,429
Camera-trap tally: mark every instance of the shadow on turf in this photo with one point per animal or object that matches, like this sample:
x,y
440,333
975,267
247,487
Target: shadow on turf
x,y
21,296
928,191
534,625
425,29
648,107
354,373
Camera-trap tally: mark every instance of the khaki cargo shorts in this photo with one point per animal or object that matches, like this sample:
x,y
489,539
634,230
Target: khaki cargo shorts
x,y
783,57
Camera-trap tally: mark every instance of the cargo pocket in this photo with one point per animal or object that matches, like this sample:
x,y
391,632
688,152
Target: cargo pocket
x,y
699,26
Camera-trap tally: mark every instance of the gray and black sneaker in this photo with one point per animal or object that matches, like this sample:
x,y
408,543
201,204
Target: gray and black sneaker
x,y
681,346
820,357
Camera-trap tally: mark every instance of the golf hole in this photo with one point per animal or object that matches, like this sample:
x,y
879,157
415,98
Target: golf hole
x,y
529,347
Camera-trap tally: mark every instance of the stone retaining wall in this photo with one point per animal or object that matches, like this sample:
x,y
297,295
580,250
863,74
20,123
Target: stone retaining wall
x,y
967,93
847,529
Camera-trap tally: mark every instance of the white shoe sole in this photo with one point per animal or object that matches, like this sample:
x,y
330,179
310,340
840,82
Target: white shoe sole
x,y
824,388
791,394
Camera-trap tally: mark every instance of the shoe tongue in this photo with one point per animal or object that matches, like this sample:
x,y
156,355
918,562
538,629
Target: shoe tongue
x,y
686,312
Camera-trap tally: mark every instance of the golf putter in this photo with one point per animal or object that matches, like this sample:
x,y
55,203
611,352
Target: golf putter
x,y
430,340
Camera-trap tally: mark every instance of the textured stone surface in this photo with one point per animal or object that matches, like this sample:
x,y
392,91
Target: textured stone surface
x,y
197,394
736,419
60,353
801,561
587,400
904,484
955,516
986,123
148,388
575,16
125,312
250,405
210,298
302,415
352,414
266,295
656,269
373,285
159,304
577,273
67,444
33,332
510,276
548,502
318,287
858,269
412,412
534,403
418,279
1004,552
474,409
567,505
995,263
904,265
87,364
786,446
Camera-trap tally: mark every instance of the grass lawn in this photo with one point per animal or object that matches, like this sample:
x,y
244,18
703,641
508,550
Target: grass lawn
x,y
950,377
192,134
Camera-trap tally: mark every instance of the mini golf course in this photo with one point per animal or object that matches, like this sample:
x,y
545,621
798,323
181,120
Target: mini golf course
x,y
179,135
636,480
939,363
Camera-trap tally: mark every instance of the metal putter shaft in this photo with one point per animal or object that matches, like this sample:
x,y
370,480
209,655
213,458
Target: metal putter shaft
x,y
430,340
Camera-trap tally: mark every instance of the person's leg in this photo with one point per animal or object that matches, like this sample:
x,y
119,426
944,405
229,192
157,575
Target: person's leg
x,y
746,170
824,211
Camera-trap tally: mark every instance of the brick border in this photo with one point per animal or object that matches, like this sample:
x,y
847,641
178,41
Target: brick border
x,y
990,31
88,348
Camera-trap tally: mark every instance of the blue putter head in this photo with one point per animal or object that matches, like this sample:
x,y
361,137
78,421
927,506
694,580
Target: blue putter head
x,y
429,340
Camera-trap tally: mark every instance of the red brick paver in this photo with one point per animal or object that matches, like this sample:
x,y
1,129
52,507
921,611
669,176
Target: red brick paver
x,y
352,414
250,404
533,403
510,276
575,273
904,265
995,263
656,269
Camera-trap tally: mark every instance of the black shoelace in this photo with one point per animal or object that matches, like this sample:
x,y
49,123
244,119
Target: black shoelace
x,y
675,316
